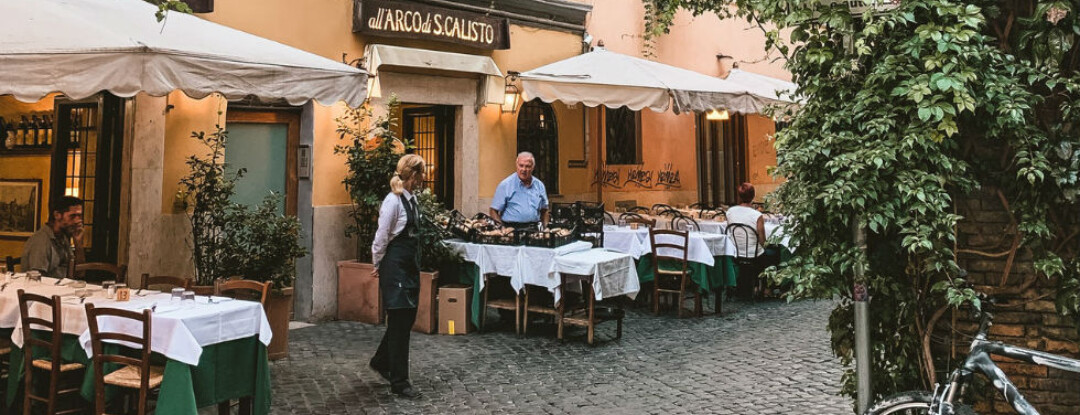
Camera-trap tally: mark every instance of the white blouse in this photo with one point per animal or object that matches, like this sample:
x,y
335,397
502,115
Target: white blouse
x,y
392,220
746,216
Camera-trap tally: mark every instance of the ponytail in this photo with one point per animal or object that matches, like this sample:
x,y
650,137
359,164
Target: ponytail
x,y
408,166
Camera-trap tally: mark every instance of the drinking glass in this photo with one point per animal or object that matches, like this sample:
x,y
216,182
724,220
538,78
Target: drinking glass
x,y
188,299
110,288
177,295
33,275
622,223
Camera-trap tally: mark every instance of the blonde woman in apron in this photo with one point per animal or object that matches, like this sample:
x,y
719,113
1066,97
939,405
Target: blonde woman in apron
x,y
396,255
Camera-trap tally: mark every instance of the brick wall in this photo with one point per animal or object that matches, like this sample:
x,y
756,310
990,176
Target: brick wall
x,y
1034,323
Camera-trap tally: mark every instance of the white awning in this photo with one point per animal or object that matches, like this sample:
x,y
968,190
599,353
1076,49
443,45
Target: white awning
x,y
81,47
403,59
614,80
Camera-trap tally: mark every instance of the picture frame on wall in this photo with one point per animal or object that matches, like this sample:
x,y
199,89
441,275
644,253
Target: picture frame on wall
x,y
20,207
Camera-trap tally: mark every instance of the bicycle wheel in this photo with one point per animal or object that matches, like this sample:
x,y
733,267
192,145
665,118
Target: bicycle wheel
x,y
911,403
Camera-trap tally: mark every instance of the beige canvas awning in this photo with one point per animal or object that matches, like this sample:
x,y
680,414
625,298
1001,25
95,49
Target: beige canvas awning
x,y
79,48
424,61
615,80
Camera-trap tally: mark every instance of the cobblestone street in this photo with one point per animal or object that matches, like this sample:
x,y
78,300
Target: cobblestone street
x,y
763,358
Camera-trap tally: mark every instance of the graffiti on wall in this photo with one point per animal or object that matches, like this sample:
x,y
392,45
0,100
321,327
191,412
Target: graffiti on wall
x,y
667,177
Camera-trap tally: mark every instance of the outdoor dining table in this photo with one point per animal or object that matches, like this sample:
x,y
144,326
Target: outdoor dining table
x,y
522,264
213,351
709,254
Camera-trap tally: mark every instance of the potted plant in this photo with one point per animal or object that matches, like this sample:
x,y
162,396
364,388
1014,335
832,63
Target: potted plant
x,y
209,187
436,259
263,245
232,240
372,150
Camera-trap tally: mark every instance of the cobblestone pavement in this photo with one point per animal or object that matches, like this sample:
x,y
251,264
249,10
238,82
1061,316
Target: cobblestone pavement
x,y
763,358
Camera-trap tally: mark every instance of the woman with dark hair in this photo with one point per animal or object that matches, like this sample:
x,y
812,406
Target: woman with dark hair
x,y
745,213
396,255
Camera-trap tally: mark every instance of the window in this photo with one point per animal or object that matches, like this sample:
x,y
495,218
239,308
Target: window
x,y
431,129
622,135
538,134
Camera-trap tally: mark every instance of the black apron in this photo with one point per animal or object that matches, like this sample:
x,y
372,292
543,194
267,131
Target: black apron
x,y
399,270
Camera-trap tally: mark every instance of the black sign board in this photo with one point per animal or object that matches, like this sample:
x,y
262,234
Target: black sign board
x,y
420,21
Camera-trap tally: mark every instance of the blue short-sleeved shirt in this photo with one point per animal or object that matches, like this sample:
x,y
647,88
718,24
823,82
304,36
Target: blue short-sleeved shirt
x,y
517,203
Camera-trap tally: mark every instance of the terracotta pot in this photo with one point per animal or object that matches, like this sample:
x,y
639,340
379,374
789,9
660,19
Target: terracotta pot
x,y
426,317
358,293
279,311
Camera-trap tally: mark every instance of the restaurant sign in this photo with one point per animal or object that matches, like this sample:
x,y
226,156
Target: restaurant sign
x,y
409,20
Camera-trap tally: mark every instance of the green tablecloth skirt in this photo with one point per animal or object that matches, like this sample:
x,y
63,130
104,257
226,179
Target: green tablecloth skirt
x,y
723,272
226,371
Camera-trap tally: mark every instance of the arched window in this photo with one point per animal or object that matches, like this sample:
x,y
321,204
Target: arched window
x,y
538,133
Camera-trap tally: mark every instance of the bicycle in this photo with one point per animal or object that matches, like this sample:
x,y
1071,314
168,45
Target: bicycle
x,y
944,400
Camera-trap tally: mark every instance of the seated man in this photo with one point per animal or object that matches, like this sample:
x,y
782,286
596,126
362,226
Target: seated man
x,y
50,249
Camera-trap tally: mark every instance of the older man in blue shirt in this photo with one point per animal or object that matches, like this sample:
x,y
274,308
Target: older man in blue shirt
x,y
521,200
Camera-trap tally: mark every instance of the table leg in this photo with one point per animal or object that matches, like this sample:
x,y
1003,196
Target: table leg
x,y
592,310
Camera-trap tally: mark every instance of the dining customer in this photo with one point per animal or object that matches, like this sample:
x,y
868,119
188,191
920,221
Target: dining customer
x,y
396,255
745,213
54,248
521,200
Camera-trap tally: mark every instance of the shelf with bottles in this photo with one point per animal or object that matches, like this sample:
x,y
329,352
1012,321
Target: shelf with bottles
x,y
27,133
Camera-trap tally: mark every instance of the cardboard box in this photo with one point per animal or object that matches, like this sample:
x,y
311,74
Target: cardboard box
x,y
454,309
426,321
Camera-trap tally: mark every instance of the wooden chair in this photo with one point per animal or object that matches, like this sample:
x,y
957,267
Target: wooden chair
x,y
243,290
666,279
164,280
119,272
137,373
642,210
10,263
684,223
586,313
57,369
745,239
500,304
660,208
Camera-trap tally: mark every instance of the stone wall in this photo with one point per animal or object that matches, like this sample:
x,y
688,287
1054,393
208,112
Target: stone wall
x,y
1030,321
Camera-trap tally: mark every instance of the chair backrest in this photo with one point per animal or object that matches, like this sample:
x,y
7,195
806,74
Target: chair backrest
x,y
101,356
639,209
165,280
650,223
608,219
678,241
701,206
119,272
660,208
54,326
684,223
669,213
243,289
10,263
745,239
720,215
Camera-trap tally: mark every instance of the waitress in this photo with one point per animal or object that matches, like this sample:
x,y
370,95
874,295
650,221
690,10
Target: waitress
x,y
396,255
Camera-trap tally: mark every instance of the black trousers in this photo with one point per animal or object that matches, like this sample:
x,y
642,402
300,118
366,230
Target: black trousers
x,y
393,352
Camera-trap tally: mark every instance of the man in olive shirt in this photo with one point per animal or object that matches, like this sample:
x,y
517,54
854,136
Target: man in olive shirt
x,y
49,249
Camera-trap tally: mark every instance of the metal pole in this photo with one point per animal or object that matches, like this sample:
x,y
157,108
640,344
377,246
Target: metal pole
x,y
862,323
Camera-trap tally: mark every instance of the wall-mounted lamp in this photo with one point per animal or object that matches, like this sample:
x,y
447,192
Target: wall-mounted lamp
x,y
512,94
718,115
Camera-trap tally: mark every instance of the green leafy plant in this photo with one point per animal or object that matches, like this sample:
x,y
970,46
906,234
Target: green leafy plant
x,y
210,186
435,254
233,240
262,243
372,150
905,112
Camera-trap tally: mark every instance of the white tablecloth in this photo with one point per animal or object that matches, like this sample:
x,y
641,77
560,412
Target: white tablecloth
x,y
523,264
177,333
613,273
703,246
